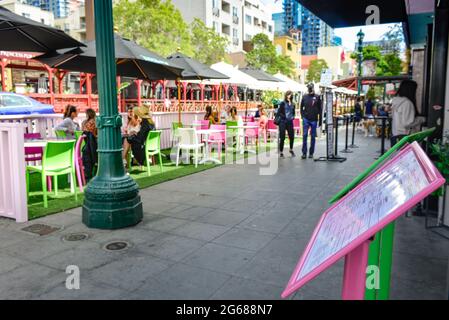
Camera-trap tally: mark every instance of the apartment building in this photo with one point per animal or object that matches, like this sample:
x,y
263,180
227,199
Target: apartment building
x,y
238,20
29,11
75,23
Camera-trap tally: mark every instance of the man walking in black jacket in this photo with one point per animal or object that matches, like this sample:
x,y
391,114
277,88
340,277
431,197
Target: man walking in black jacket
x,y
311,113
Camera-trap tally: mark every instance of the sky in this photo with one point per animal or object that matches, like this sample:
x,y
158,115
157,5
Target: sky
x,y
348,35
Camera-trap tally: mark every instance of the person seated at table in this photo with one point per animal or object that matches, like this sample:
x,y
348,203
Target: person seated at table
x,y
209,115
89,124
225,113
234,115
259,108
68,125
137,141
133,126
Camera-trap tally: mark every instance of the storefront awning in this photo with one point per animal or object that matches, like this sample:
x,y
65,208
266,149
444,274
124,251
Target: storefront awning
x,y
351,13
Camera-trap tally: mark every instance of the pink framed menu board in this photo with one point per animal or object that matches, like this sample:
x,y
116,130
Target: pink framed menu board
x,y
389,192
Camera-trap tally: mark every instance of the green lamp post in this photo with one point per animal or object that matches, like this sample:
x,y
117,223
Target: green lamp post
x,y
360,36
112,198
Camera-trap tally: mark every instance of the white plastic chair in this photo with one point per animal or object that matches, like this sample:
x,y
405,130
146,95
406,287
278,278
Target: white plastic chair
x,y
188,140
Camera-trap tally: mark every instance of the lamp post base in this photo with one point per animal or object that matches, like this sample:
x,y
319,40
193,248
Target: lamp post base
x,y
112,204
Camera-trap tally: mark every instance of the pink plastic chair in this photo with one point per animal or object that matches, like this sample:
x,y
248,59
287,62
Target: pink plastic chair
x,y
272,128
248,119
252,134
218,138
35,153
297,126
205,124
79,167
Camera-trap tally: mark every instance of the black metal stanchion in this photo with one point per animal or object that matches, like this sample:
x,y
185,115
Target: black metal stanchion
x,y
347,150
336,134
382,135
354,124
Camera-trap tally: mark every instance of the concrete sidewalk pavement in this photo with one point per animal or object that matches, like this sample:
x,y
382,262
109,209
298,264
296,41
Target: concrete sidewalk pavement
x,y
225,233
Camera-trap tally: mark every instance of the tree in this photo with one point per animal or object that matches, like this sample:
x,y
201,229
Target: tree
x,y
285,65
390,65
154,24
315,69
263,56
208,46
387,65
395,35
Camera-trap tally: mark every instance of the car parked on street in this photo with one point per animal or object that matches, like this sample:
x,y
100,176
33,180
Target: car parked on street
x,y
16,104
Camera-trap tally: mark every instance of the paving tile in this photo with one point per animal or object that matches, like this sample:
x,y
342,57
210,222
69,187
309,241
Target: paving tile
x,y
130,272
162,223
245,239
200,231
171,247
28,281
87,258
219,258
224,218
182,282
192,213
245,289
89,290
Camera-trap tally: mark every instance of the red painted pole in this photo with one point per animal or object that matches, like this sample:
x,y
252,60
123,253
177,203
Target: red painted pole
x,y
139,92
3,66
89,89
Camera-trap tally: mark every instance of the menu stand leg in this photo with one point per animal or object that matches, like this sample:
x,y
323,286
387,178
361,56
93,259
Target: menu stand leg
x,y
354,278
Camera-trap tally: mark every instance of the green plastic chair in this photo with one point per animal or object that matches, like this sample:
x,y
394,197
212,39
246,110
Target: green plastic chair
x,y
231,133
152,148
175,133
78,134
61,134
57,160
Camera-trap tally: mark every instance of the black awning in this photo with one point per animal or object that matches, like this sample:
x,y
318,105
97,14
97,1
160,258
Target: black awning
x,y
351,13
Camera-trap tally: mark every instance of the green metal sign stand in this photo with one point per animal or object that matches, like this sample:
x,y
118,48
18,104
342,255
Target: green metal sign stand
x,y
112,198
381,248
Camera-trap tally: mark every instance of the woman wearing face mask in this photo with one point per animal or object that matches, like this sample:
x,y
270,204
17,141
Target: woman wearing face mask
x,y
286,112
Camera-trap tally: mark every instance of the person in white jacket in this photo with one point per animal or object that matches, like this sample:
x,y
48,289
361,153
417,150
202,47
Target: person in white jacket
x,y
404,112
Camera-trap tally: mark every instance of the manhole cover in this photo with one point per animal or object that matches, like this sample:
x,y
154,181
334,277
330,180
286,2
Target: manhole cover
x,y
75,237
40,229
116,246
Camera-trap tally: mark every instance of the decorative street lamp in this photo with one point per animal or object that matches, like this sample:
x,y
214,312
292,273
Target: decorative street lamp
x,y
360,36
112,198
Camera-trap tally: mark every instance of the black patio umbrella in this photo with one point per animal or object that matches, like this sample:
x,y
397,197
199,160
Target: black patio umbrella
x,y
193,69
132,61
18,33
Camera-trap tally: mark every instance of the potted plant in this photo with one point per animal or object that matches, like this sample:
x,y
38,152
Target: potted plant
x,y
440,151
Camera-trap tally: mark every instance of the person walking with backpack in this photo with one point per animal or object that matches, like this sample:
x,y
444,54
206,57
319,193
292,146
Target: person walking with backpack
x,y
311,113
285,115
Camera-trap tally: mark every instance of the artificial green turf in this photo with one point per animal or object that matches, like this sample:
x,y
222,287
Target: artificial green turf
x,y
66,200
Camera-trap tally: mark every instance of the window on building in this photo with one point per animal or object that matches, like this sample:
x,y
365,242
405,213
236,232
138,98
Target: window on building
x,y
270,29
225,6
248,19
235,11
289,46
215,3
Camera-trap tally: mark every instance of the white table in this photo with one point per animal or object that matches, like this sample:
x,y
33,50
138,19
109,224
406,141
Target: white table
x,y
207,157
244,128
35,143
